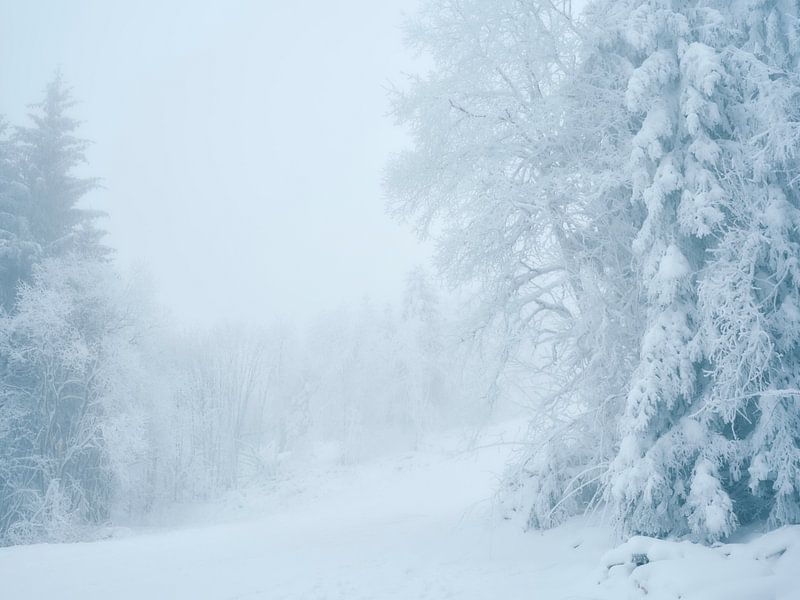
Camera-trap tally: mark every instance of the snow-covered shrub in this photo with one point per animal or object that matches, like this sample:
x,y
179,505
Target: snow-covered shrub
x,y
72,429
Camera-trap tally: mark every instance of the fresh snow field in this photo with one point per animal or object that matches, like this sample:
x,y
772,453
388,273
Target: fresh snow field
x,y
412,526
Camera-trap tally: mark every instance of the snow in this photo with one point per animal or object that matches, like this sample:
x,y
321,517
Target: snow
x,y
673,269
417,525
764,568
656,71
702,67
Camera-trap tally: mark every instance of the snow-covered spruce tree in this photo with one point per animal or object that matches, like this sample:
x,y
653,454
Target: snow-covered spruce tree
x,y
749,294
676,98
50,152
714,114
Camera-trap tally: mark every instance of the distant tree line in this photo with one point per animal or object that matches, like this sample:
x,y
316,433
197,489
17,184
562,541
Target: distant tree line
x,y
108,412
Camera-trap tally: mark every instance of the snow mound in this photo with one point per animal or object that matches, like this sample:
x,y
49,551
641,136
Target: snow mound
x,y
763,568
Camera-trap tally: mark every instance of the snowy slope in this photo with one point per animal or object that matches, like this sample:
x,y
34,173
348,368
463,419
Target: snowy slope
x,y
414,526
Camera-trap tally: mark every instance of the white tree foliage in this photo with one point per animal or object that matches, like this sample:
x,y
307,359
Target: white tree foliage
x,y
72,424
623,188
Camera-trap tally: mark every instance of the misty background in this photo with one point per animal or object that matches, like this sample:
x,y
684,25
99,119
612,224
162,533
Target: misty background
x,y
610,189
240,145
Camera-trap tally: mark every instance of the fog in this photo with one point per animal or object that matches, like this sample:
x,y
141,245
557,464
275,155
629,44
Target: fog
x,y
240,144
374,296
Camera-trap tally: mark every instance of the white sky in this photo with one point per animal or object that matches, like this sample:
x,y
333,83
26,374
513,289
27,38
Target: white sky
x,y
241,143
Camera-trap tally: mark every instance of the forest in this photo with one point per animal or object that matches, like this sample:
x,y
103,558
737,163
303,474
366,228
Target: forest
x,y
611,189
108,412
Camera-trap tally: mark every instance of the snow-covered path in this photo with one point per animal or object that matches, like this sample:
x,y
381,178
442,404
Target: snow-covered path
x,y
410,527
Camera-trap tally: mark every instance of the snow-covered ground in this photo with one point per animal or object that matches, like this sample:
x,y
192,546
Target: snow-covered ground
x,y
413,526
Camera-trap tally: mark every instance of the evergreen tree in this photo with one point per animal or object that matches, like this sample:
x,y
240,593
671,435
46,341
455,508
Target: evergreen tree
x,y
17,249
50,153
713,162
750,294
676,99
